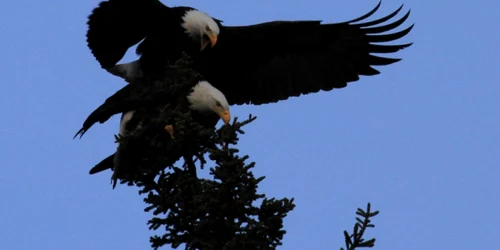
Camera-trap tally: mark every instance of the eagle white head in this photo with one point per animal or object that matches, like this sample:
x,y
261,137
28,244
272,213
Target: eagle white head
x,y
201,27
206,98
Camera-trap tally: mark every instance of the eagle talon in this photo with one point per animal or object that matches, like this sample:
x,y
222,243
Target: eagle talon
x,y
170,130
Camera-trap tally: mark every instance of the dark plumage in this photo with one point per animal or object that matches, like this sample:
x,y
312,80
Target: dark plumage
x,y
116,25
272,61
142,104
149,96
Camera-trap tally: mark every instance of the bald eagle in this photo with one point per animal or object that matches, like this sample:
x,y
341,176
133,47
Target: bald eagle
x,y
206,104
271,61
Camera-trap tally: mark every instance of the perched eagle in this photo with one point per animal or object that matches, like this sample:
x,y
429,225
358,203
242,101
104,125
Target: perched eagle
x,y
139,102
255,64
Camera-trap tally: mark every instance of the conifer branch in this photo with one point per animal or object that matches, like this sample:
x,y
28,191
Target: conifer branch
x,y
355,240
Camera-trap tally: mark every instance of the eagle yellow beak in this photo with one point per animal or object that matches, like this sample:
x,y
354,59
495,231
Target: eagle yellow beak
x,y
213,40
225,116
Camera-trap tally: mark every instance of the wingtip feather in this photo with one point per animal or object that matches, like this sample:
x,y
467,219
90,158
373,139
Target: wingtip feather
x,y
371,12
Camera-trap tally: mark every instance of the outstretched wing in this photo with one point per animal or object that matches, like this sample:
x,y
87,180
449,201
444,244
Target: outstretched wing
x,y
273,61
116,25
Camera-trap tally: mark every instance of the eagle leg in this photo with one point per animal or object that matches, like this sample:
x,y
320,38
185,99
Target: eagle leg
x,y
170,130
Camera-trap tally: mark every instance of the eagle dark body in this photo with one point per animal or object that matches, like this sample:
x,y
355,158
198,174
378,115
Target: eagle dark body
x,y
149,147
269,61
155,104
148,96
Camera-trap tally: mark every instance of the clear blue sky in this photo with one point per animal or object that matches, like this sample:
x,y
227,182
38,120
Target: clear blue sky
x,y
421,141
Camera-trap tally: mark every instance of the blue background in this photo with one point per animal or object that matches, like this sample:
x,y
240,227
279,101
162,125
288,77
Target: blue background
x,y
420,141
